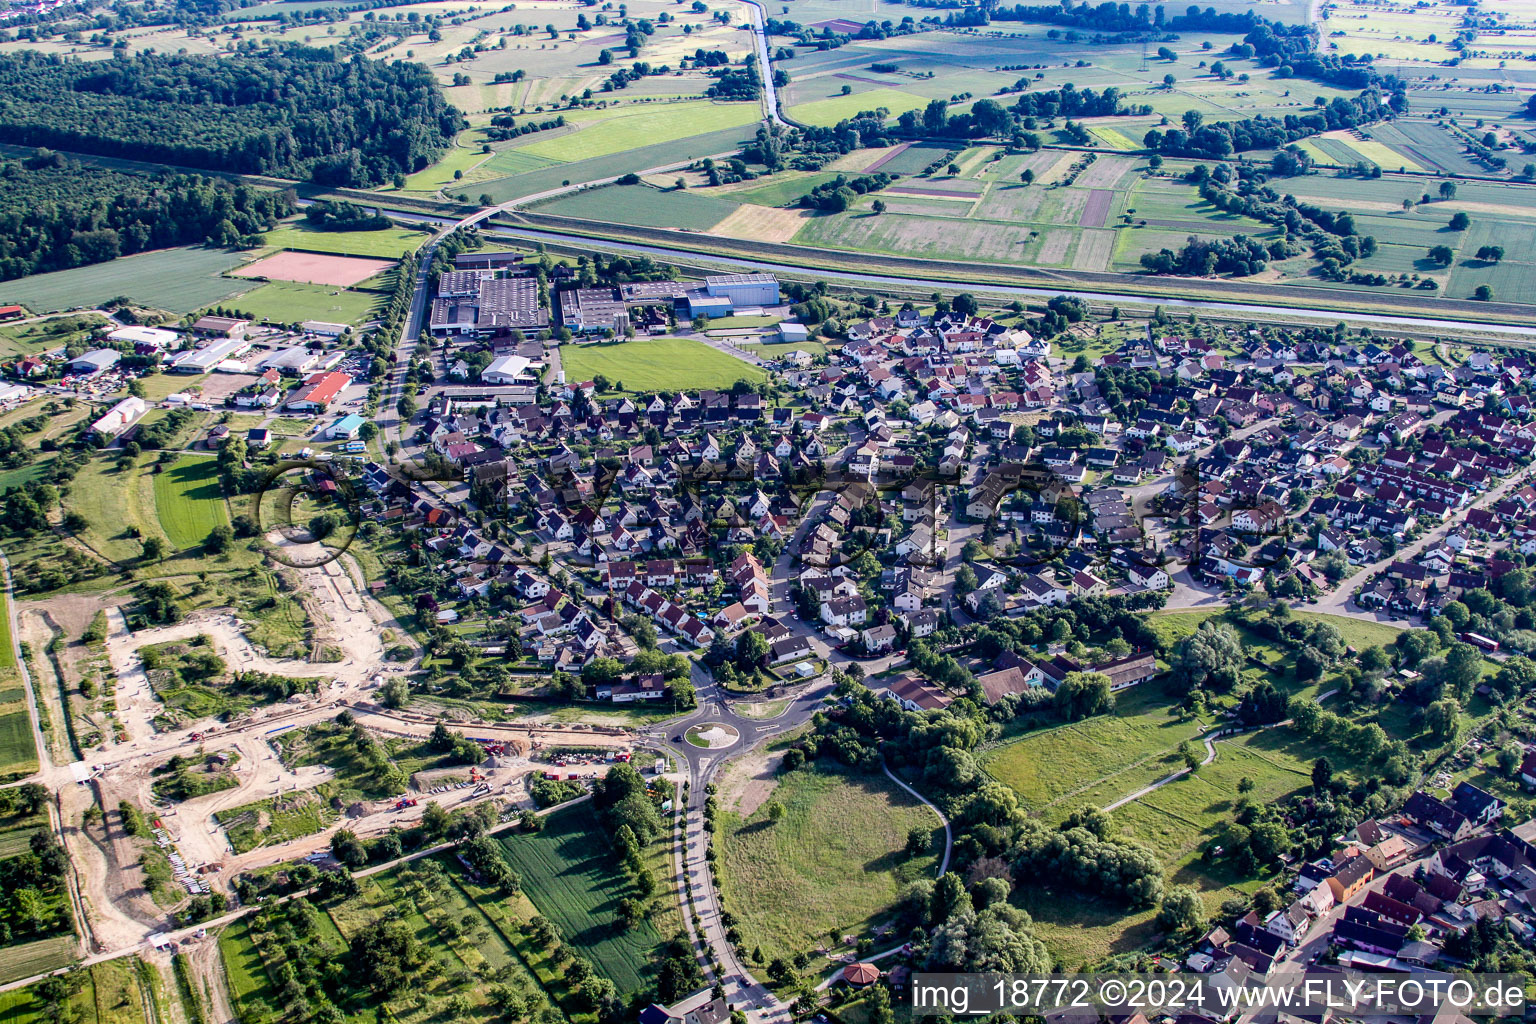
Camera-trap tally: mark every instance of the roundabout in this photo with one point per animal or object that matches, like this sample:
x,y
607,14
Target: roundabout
x,y
713,736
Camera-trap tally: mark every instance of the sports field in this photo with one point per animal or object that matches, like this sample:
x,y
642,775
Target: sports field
x,y
834,860
387,243
286,302
178,280
314,268
571,876
656,364
189,500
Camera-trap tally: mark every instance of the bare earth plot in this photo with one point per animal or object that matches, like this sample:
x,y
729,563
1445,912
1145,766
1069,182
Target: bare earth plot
x,y
314,268
1097,209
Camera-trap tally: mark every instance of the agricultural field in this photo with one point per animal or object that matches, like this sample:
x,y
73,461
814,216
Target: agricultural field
x,y
288,302
616,130
18,747
643,204
834,861
177,280
189,500
643,365
571,877
386,243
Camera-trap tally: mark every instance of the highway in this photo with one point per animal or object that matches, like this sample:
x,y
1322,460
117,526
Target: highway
x,y
1353,317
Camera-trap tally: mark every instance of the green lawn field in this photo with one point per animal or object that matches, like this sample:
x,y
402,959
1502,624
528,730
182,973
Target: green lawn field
x,y
570,875
189,500
389,243
656,364
286,302
835,859
179,280
602,133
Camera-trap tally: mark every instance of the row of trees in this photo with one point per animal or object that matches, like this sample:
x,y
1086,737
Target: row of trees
x,y
1220,139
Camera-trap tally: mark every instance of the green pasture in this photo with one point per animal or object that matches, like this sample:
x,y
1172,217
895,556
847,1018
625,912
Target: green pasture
x,y
656,364
25,339
827,112
656,154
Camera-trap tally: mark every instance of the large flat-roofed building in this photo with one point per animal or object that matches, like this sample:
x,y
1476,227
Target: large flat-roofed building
x,y
203,360
492,305
220,327
588,310
484,260
295,360
744,289
120,417
145,339
94,362
511,369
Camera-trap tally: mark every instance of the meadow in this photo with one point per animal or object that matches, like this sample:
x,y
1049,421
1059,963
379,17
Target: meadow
x,y
189,500
835,861
644,365
569,872
661,154
287,302
1096,760
177,280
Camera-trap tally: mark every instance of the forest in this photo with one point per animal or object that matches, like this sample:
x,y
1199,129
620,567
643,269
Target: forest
x,y
291,110
55,214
